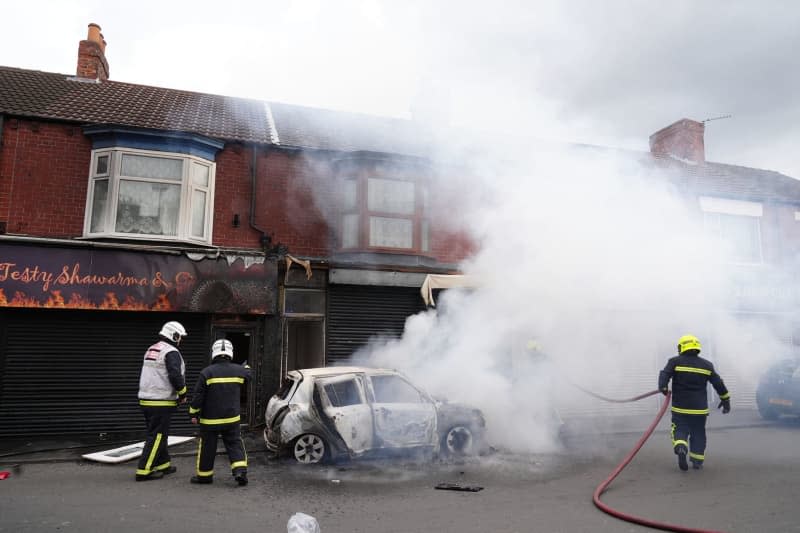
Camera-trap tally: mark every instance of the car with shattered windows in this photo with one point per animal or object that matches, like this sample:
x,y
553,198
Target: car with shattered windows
x,y
338,413
778,391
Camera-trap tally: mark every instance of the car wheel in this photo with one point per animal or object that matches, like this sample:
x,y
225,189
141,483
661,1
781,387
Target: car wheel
x,y
309,449
457,441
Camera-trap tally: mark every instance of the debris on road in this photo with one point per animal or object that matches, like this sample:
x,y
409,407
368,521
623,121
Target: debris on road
x,y
302,523
126,453
456,486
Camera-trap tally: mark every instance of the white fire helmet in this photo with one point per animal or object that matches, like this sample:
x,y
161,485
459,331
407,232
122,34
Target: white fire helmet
x,y
222,348
173,331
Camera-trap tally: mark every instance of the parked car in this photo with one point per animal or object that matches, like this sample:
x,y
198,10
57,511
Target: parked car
x,y
333,413
778,390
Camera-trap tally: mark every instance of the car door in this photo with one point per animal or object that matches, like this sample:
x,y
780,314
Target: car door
x,y
404,416
344,403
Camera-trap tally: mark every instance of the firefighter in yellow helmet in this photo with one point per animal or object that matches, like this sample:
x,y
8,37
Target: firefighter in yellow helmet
x,y
690,375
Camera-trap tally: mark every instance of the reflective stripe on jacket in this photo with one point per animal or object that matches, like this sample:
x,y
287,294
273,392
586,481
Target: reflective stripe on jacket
x,y
163,374
217,395
690,375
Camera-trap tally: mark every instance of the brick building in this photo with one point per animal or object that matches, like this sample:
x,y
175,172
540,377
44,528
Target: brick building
x,y
296,233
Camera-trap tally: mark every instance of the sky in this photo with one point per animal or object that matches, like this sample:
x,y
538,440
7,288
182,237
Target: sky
x,y
604,73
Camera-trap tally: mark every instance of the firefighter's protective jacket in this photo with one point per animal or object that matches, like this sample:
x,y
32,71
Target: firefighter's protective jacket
x,y
690,375
216,398
162,380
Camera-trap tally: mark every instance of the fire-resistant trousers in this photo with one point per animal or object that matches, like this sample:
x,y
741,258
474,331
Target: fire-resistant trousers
x,y
207,449
690,431
155,455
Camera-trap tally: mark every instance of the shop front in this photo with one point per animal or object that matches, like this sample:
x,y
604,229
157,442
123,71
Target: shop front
x,y
75,321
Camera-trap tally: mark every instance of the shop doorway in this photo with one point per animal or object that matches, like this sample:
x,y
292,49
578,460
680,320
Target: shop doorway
x,y
244,352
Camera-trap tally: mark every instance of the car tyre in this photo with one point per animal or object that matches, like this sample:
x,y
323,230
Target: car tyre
x,y
458,441
309,449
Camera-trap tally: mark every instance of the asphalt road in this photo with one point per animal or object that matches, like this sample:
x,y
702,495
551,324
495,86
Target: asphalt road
x,y
750,484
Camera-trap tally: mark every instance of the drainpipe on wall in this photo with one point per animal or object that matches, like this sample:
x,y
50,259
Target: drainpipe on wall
x,y
264,239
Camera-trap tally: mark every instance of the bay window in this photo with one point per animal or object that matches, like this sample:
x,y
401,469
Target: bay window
x,y
145,194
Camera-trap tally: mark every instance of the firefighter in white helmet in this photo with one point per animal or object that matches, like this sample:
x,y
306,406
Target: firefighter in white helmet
x,y
215,406
162,385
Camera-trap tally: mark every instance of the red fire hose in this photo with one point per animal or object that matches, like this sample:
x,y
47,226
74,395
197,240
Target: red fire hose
x,y
628,458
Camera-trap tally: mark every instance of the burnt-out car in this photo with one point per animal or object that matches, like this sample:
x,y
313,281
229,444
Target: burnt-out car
x,y
335,413
778,390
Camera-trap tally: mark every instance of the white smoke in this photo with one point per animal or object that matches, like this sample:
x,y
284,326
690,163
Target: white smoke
x,y
601,261
600,257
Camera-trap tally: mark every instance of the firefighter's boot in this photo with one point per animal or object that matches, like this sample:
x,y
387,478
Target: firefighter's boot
x,y
680,451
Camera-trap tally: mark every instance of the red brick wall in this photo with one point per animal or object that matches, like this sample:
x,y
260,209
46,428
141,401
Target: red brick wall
x,y
287,207
44,172
44,169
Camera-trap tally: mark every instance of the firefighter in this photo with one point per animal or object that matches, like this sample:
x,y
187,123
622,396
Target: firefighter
x,y
162,385
690,375
215,406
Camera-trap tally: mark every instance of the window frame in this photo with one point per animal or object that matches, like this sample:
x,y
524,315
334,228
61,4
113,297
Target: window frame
x,y
714,208
420,223
188,188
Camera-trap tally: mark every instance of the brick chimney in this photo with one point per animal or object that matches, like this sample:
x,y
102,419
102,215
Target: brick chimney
x,y
683,140
92,62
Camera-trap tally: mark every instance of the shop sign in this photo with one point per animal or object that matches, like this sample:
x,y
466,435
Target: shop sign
x,y
71,278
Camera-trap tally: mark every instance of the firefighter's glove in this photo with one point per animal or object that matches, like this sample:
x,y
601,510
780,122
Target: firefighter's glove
x,y
665,391
725,405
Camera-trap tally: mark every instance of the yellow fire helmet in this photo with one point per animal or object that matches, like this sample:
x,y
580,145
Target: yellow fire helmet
x,y
688,342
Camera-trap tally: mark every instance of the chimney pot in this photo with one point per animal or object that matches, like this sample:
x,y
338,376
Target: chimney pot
x,y
94,33
683,139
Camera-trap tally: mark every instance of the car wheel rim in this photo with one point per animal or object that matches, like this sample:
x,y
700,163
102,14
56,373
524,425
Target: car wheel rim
x,y
459,440
309,449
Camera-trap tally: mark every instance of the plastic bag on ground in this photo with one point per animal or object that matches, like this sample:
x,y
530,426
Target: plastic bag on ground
x,y
302,523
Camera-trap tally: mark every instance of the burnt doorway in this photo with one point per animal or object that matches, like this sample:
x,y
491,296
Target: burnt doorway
x,y
244,352
305,343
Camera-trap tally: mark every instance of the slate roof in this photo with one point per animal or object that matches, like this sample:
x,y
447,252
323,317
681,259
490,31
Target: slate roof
x,y
732,181
46,95
325,129
31,93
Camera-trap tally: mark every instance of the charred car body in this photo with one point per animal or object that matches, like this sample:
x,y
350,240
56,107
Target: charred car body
x,y
334,413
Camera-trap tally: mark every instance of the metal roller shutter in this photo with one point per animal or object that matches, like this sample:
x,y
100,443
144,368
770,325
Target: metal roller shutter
x,y
358,312
77,372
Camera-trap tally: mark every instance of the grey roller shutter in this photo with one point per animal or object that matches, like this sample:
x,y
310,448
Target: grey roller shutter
x,y
358,312
77,372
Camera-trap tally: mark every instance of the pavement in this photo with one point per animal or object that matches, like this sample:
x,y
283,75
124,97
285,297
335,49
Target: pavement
x,y
47,450
52,449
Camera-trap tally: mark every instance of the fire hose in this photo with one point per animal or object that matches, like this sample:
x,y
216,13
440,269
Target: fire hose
x,y
628,458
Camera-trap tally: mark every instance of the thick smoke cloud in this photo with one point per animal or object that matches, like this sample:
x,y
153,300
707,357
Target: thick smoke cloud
x,y
603,263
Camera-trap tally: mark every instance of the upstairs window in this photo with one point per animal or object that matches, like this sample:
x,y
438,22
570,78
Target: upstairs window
x,y
384,214
736,225
152,195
